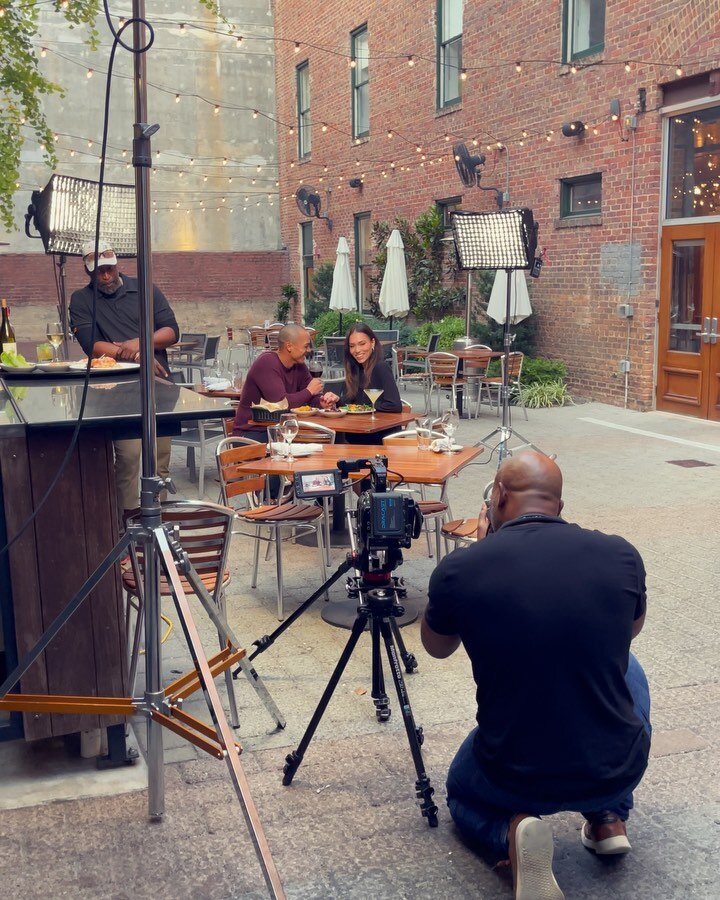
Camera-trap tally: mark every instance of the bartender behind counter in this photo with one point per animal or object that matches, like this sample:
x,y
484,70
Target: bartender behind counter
x,y
117,330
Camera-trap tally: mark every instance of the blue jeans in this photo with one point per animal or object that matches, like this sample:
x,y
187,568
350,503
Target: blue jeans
x,y
482,812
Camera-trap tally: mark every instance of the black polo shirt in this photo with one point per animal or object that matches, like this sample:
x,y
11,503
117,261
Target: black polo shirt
x,y
545,610
118,315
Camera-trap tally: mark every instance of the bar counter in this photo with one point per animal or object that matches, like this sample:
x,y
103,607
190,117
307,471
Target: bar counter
x,y
72,533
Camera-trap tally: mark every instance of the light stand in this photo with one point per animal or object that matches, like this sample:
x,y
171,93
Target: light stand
x,y
507,240
162,707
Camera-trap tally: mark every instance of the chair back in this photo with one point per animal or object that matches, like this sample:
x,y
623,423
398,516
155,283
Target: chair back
x,y
389,334
515,362
312,332
235,482
405,406
409,436
432,343
199,338
203,530
335,352
478,365
443,366
211,347
256,334
272,335
313,433
228,425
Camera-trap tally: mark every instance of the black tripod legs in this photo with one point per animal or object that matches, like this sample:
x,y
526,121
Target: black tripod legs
x,y
423,789
379,697
408,658
293,760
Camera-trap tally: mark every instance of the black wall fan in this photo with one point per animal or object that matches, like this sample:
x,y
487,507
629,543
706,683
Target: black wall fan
x,y
467,165
310,204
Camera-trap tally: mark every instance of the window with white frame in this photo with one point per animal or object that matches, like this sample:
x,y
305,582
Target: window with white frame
x,y
583,28
302,75
449,52
360,82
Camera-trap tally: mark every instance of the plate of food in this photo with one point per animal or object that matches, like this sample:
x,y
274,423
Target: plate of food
x,y
332,413
15,363
104,364
304,410
59,366
357,409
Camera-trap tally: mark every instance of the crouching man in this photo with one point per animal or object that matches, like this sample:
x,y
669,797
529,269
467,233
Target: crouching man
x,y
546,611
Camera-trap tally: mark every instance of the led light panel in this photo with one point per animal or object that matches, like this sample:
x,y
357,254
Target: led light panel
x,y
495,240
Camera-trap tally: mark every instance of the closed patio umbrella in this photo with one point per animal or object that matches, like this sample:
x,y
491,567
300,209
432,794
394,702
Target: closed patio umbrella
x,y
394,288
520,307
342,295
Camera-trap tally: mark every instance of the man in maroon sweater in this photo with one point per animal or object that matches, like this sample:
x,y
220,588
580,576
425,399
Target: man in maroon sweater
x,y
275,376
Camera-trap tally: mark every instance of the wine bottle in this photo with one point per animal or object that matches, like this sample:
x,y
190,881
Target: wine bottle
x,y
7,332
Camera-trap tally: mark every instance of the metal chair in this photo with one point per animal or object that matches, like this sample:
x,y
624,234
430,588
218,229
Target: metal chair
x,y
184,359
271,336
436,511
314,433
474,370
334,348
256,342
203,531
515,364
463,532
403,379
443,371
201,358
237,484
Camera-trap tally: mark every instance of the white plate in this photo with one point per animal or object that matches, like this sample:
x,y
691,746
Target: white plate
x,y
54,367
299,450
436,449
118,367
19,370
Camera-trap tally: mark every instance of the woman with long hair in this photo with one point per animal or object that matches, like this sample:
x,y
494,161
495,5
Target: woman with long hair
x,y
366,368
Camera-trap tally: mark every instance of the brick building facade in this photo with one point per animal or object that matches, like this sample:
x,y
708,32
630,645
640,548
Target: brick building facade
x,y
508,76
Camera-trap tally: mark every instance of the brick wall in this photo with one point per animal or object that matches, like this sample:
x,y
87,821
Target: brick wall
x,y
208,291
589,271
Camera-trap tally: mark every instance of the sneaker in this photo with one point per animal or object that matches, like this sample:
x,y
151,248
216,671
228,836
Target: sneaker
x,y
531,857
605,834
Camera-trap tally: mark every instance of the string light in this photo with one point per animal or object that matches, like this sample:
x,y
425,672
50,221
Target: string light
x,y
177,98
239,40
182,28
411,60
297,46
324,128
679,71
352,62
89,73
390,134
255,114
258,168
463,75
518,67
43,52
573,70
627,67
90,143
216,110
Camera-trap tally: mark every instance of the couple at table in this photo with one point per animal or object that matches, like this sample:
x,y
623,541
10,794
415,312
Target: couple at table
x,y
282,375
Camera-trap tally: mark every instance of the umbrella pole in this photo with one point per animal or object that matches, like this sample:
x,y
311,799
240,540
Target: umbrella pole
x,y
340,325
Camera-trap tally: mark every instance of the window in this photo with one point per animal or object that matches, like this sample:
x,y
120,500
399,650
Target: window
x,y
694,165
447,207
449,52
363,259
302,74
583,28
308,257
581,196
360,82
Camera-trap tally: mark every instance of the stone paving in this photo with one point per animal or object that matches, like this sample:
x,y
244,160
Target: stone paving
x,y
348,826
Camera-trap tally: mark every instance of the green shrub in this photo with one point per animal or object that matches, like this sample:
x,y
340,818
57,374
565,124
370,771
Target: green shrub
x,y
539,370
488,331
282,311
319,300
328,323
449,328
545,394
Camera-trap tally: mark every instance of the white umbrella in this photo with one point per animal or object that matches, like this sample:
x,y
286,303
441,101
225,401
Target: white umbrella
x,y
394,289
342,295
519,298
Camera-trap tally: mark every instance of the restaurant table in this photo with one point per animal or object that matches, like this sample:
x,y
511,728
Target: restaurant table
x,y
71,534
413,465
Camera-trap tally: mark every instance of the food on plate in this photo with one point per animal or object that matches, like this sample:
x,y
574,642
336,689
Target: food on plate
x,y
303,409
102,362
357,407
13,359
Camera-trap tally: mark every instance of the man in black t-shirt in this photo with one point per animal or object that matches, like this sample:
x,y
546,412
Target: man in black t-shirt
x,y
546,611
117,334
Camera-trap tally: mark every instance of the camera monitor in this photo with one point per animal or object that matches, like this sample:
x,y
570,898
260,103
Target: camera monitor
x,y
309,485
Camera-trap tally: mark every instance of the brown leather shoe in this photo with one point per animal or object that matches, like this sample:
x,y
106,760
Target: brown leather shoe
x,y
531,855
605,834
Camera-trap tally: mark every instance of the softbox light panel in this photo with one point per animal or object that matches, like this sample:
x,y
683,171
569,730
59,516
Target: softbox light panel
x,y
505,239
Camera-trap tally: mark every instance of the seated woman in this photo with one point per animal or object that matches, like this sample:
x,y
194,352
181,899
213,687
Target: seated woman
x,y
366,368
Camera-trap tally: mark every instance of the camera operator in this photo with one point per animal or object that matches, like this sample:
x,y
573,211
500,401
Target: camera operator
x,y
546,611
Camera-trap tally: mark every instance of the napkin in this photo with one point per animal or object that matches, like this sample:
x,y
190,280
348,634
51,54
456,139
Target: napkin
x,y
297,449
216,384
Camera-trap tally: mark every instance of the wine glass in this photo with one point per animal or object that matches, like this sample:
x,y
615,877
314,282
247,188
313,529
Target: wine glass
x,y
289,428
235,374
315,365
54,333
449,425
373,395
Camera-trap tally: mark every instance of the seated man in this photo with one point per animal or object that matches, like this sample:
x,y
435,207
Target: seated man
x,y
546,611
279,375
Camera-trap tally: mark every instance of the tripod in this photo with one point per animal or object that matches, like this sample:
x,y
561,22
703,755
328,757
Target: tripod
x,y
505,429
379,608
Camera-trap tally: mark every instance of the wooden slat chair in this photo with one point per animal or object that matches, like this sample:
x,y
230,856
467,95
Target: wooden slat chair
x,y
405,376
463,532
238,485
256,342
203,530
474,370
272,336
437,510
515,364
443,370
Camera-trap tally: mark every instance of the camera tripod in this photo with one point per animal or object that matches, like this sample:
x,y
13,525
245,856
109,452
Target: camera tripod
x,y
379,608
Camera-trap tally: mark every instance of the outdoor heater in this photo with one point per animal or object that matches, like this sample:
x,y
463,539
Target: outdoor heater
x,y
64,213
506,239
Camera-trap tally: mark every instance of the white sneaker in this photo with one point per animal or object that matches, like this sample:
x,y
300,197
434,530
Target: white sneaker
x,y
534,879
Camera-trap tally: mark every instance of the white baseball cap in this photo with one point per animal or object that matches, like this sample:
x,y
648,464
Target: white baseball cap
x,y
106,255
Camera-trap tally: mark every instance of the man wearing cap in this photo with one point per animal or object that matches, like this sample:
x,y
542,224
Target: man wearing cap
x,y
117,330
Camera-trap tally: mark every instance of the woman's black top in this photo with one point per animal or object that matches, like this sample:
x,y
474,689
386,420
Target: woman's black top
x,y
381,379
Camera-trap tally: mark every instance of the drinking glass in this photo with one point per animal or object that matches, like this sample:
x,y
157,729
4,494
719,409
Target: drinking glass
x,y
424,432
235,374
275,439
449,425
373,395
289,428
54,332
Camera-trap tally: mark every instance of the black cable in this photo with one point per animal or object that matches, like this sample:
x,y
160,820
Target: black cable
x,y
106,120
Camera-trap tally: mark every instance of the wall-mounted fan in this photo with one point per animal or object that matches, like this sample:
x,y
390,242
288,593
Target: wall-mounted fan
x,y
467,165
310,204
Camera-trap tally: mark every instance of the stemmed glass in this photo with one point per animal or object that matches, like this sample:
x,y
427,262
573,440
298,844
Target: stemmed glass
x,y
289,428
54,333
373,395
449,425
